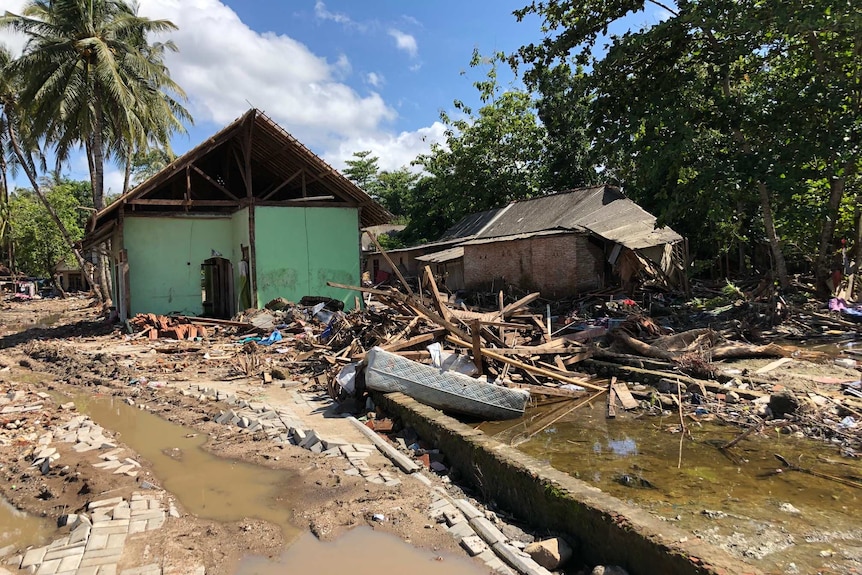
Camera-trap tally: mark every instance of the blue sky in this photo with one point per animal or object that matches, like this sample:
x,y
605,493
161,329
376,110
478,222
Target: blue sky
x,y
340,75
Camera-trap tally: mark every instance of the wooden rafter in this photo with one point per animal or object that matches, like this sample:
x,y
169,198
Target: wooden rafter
x,y
205,176
282,184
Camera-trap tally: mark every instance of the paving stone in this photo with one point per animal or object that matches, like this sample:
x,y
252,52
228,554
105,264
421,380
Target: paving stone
x,y
110,464
467,508
69,563
487,531
121,526
33,557
131,473
57,543
48,567
152,569
393,483
87,570
68,551
79,534
124,469
97,541
111,454
101,516
101,554
154,503
131,461
137,526
104,503
453,516
148,514
473,544
109,569
155,523
460,530
352,472
139,504
116,541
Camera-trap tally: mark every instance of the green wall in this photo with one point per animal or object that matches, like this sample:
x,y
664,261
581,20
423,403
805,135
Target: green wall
x,y
165,257
300,249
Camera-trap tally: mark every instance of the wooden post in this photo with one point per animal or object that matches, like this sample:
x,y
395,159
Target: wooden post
x,y
389,260
475,326
612,398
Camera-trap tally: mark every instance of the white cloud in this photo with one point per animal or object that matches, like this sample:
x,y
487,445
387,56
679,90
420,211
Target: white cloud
x,y
322,13
15,42
405,42
375,79
394,150
224,65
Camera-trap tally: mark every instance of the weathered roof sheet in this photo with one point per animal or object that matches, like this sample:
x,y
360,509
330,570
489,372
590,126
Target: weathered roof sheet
x,y
442,256
602,210
470,225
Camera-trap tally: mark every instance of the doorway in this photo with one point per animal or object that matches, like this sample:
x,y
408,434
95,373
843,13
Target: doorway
x,y
217,291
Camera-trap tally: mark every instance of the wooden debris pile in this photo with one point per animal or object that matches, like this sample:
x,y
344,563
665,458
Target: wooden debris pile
x,y
512,345
154,326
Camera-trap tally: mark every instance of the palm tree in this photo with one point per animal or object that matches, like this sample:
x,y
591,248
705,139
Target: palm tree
x,y
92,79
16,136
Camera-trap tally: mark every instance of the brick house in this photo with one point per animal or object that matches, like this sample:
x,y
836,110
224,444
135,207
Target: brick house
x,y
573,242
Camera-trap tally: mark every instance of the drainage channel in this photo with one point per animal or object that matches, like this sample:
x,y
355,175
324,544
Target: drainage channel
x,y
220,489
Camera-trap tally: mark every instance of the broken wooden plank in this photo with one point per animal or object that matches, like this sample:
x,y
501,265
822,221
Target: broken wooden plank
x,y
423,338
525,366
435,294
550,391
477,346
513,307
773,365
390,262
625,396
612,399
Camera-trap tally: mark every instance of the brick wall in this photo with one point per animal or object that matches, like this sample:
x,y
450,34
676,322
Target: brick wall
x,y
555,265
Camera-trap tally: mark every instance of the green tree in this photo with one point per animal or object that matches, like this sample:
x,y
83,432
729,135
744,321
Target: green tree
x,y
40,245
362,169
491,157
723,104
394,190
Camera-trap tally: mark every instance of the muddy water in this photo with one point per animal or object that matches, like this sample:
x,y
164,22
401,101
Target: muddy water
x,y
207,486
361,551
736,500
18,529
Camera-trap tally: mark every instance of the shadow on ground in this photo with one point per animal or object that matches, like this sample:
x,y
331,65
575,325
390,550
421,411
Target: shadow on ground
x,y
84,328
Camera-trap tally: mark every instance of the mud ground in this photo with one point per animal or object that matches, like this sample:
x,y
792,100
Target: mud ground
x,y
64,348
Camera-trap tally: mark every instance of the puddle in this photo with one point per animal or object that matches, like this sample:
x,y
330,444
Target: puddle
x,y
360,551
208,486
18,529
637,460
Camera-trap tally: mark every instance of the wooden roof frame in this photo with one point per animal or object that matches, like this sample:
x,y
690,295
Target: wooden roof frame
x,y
251,145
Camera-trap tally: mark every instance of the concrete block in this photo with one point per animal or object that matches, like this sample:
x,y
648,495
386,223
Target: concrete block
x,y
311,438
487,531
460,530
69,563
33,557
116,541
104,503
453,516
79,534
467,508
137,526
316,447
68,551
110,464
97,541
109,569
517,561
473,545
155,523
123,469
48,567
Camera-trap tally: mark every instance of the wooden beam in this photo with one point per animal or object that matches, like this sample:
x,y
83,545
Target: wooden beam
x,y
205,176
419,339
512,307
410,302
391,263
282,184
169,202
525,366
612,399
477,345
435,296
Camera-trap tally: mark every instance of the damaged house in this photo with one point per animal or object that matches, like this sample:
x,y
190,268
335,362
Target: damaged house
x,y
562,244
247,216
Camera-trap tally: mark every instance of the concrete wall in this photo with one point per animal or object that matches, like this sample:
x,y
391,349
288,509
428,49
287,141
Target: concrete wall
x,y
557,266
300,249
603,529
165,257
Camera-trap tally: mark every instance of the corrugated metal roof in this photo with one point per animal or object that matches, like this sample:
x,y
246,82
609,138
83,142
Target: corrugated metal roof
x,y
470,225
442,256
602,210
480,241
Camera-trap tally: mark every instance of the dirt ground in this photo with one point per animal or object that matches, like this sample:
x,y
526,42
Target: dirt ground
x,y
63,348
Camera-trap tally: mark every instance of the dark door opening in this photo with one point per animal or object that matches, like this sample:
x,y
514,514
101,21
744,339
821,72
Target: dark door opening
x,y
217,291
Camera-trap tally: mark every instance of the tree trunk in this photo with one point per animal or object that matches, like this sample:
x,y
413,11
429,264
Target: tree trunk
x,y
823,267
772,235
127,175
13,139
